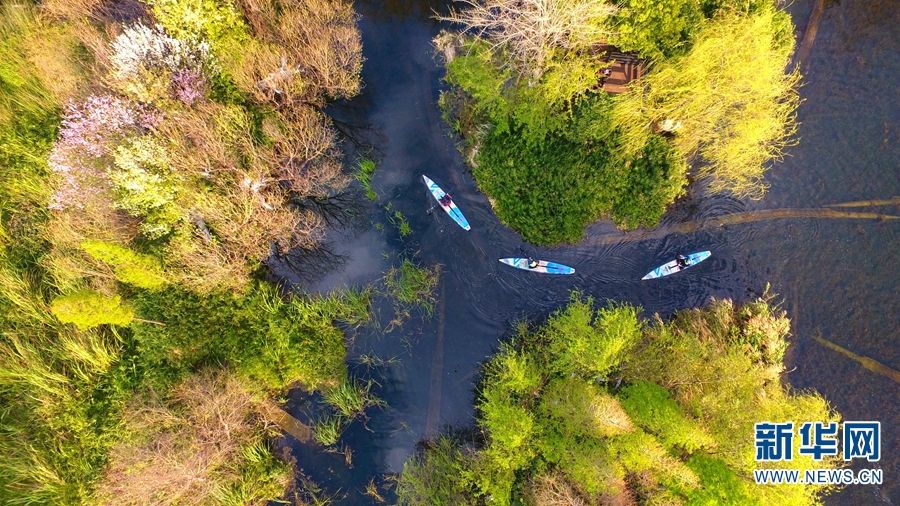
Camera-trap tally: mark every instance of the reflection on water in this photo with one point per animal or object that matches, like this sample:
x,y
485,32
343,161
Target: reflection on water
x,y
837,277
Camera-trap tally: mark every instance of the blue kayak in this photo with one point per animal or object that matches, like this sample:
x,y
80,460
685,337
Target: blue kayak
x,y
542,266
673,267
451,208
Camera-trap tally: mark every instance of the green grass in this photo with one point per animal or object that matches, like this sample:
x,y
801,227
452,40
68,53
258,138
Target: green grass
x,y
275,343
400,222
365,169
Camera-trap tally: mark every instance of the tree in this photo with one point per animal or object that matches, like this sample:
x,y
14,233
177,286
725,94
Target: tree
x,y
728,103
656,28
654,413
531,30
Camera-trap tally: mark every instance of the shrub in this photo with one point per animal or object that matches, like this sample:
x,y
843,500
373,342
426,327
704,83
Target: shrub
x,y
90,134
531,30
145,185
549,191
137,269
88,308
202,444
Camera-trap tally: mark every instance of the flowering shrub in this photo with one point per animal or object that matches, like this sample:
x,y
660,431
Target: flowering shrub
x,y
188,86
147,61
87,133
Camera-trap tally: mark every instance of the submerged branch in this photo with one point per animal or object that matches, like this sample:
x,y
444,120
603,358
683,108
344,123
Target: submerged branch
x,y
869,203
735,218
866,362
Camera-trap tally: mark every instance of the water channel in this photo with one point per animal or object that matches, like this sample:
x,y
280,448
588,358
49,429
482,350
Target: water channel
x,y
837,278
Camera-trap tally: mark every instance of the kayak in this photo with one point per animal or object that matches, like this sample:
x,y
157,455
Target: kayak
x,y
543,266
452,210
673,267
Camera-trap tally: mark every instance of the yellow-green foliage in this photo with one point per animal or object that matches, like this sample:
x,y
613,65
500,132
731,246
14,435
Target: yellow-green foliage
x,y
650,406
145,185
588,341
679,429
723,365
217,21
582,408
728,101
131,267
87,308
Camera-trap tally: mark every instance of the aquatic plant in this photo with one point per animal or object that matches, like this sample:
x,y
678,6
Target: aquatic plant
x,y
328,429
351,398
412,287
365,169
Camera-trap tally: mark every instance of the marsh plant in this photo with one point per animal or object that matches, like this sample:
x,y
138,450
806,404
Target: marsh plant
x,y
365,169
328,429
412,288
343,403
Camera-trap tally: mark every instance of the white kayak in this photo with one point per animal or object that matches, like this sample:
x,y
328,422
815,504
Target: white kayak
x,y
673,267
451,209
542,266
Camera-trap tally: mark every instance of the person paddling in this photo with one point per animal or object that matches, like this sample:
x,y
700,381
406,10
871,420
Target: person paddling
x,y
445,200
532,263
682,261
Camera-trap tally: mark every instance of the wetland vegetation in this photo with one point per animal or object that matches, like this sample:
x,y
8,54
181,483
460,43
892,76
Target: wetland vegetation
x,y
599,407
155,157
554,150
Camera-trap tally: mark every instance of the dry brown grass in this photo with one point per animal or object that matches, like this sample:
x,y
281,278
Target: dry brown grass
x,y
71,10
186,449
51,51
552,489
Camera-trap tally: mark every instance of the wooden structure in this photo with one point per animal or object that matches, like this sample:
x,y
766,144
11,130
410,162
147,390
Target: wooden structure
x,y
625,67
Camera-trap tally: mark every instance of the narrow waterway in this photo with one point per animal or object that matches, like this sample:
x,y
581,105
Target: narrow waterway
x,y
838,277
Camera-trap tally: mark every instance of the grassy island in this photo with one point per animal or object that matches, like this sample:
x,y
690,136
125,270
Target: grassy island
x,y
598,407
554,150
153,156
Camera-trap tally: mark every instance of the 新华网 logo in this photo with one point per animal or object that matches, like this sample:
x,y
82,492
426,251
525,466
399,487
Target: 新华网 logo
x,y
775,441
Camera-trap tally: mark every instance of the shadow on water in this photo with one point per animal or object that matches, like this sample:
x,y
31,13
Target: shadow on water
x,y
837,274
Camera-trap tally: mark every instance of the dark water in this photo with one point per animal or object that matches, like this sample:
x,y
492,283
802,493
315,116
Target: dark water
x,y
837,278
